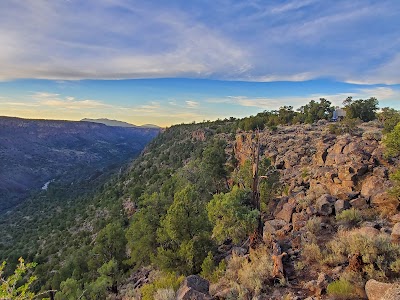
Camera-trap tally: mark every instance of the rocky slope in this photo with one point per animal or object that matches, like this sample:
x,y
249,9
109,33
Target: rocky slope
x,y
33,152
332,227
323,175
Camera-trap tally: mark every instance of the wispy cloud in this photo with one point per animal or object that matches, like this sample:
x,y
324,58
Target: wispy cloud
x,y
192,104
250,40
383,94
54,100
292,5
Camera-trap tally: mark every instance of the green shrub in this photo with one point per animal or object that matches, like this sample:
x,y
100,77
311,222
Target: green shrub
x,y
11,287
208,266
392,142
395,266
230,215
345,126
341,289
164,281
378,253
349,216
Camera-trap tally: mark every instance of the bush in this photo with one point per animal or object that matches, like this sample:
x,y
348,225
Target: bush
x,y
248,277
208,266
313,225
169,281
378,253
11,287
392,142
311,253
341,289
361,109
231,217
389,117
349,216
395,266
345,126
164,294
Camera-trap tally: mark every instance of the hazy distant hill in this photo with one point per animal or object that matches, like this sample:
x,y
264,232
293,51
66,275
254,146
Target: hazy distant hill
x,y
108,122
33,152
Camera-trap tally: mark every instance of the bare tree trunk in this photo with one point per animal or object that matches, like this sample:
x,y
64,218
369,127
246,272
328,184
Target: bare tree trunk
x,y
278,271
256,238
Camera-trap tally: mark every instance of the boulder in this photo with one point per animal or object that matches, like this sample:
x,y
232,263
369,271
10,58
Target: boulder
x,y
239,251
194,288
325,205
376,290
286,212
367,231
280,203
384,201
318,188
395,218
346,173
396,232
321,153
276,223
299,220
359,203
381,172
371,186
318,286
341,205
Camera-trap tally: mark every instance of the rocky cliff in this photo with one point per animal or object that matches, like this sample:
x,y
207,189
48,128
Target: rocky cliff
x,y
323,175
312,162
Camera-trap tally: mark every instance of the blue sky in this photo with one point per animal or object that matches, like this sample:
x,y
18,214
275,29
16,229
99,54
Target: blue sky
x,y
169,62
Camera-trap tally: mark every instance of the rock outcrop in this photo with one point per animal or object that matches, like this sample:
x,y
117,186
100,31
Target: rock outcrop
x,y
350,168
376,290
194,288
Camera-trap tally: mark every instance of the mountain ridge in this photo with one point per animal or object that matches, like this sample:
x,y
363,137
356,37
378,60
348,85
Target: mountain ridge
x,y
109,122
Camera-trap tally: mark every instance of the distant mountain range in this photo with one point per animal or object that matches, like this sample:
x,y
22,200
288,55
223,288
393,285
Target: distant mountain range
x,y
109,122
35,152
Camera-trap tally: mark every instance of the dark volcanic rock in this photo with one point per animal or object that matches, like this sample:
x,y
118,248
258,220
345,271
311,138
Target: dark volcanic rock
x,y
194,288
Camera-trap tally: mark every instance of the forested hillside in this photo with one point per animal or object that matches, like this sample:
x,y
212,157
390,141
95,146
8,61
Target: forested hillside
x,y
35,153
282,205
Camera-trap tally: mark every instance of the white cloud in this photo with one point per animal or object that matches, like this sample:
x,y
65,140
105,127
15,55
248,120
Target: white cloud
x,y
383,94
54,100
293,5
192,104
250,40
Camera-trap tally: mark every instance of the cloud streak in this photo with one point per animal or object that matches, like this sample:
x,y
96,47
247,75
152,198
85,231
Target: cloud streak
x,y
383,94
250,40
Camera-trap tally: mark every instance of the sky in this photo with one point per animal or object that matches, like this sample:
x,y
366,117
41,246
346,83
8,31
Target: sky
x,y
168,62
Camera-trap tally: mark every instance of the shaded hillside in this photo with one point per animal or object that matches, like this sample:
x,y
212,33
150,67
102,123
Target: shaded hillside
x,y
34,152
109,122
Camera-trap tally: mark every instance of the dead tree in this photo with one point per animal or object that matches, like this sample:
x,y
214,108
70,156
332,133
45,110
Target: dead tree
x,y
278,271
256,237
277,256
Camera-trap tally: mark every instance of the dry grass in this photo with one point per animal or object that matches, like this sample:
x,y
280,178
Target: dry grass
x,y
247,277
164,294
313,225
311,253
378,253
